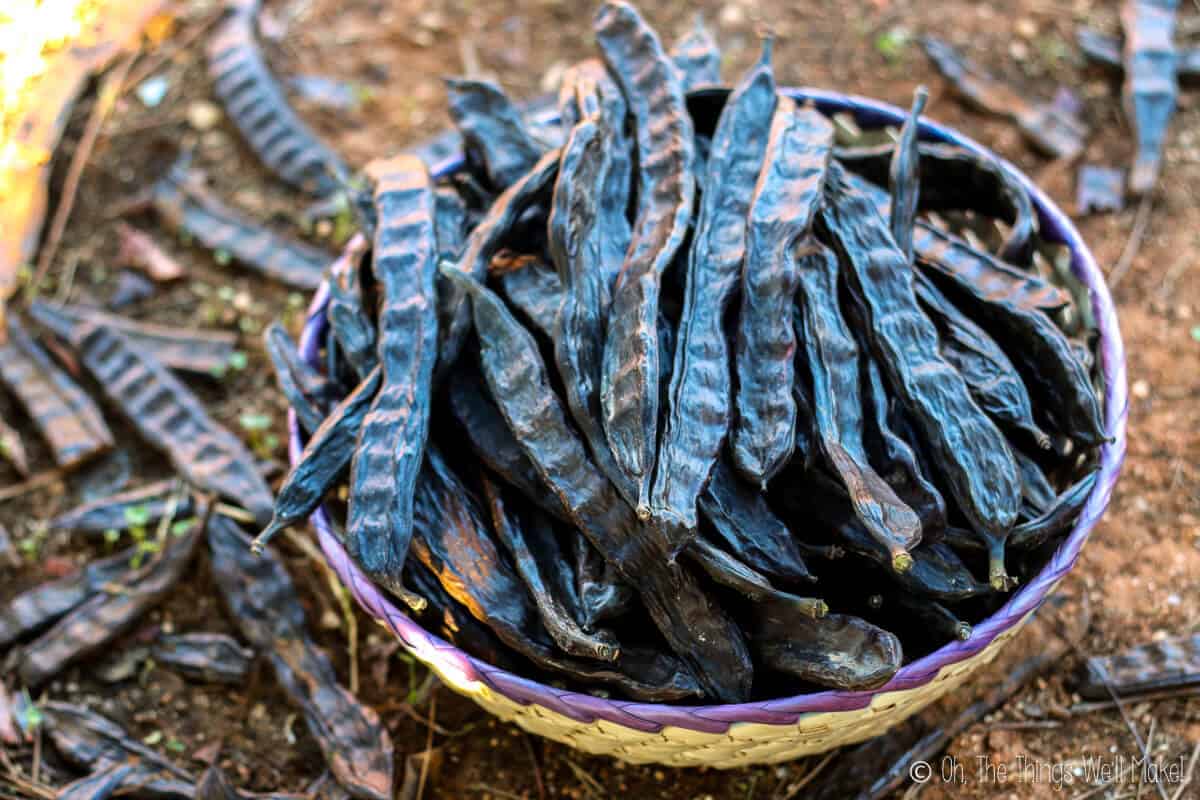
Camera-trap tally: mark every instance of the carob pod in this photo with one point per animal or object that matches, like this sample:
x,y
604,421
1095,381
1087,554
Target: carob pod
x,y
1108,51
1151,87
1058,518
208,657
451,221
350,322
904,176
215,785
533,546
1036,492
519,385
258,106
782,210
1042,353
168,416
492,129
309,393
146,504
1046,127
700,395
69,420
326,454
391,441
831,362
206,352
189,208
971,453
697,56
104,616
453,543
936,619
990,375
537,292
101,784
726,570
956,179
453,309
666,194
1168,664
263,603
742,520
894,459
602,593
38,607
836,650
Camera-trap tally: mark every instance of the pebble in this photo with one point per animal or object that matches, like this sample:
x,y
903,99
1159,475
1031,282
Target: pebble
x,y
732,15
1141,389
203,115
1026,28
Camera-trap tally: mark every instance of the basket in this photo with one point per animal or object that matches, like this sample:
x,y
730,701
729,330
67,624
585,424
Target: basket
x,y
735,735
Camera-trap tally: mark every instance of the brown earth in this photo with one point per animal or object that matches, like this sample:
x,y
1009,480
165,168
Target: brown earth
x,y
1139,576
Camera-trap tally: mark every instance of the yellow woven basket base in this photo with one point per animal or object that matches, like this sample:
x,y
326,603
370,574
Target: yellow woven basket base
x,y
745,743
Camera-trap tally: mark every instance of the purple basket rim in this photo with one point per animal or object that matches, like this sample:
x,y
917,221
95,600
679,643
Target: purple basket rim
x,y
716,718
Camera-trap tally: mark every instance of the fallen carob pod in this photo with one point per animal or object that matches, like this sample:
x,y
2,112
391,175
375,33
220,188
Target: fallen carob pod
x,y
207,657
167,414
1108,51
1046,127
144,505
493,130
258,106
184,204
40,606
836,650
108,613
261,599
214,784
69,420
207,352
1172,663
1151,85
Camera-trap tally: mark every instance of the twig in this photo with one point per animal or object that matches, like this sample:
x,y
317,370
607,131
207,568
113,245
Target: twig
x,y
1134,243
1133,732
1095,790
38,481
165,54
1191,773
1026,725
235,513
484,788
107,98
1149,749
1149,697
428,748
537,769
593,786
810,775
35,774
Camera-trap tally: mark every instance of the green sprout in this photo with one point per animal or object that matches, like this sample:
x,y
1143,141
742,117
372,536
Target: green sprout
x,y
891,44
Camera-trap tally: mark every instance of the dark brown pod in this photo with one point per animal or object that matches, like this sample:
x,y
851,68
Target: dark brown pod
x,y
838,651
207,657
492,129
1151,85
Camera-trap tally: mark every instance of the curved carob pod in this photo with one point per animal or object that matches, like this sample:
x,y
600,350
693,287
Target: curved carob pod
x,y
391,443
697,56
168,416
147,504
666,194
323,460
1042,353
67,418
782,210
1059,517
207,657
533,546
189,208
350,322
104,616
1036,492
207,352
726,570
990,375
836,650
537,292
38,607
971,453
831,362
700,396
451,222
603,595
904,176
258,106
453,543
263,603
492,129
454,311
894,458
740,517
693,625
309,393
956,179
1151,86
1168,664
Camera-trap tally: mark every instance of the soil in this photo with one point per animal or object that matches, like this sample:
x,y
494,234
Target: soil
x,y
1138,578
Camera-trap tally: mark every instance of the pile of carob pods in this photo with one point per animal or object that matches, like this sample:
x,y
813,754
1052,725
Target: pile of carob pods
x,y
808,400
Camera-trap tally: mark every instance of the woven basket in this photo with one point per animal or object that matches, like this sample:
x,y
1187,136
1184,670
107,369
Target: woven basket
x,y
789,727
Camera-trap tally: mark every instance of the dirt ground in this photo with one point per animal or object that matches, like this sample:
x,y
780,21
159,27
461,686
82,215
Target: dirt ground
x,y
1139,577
